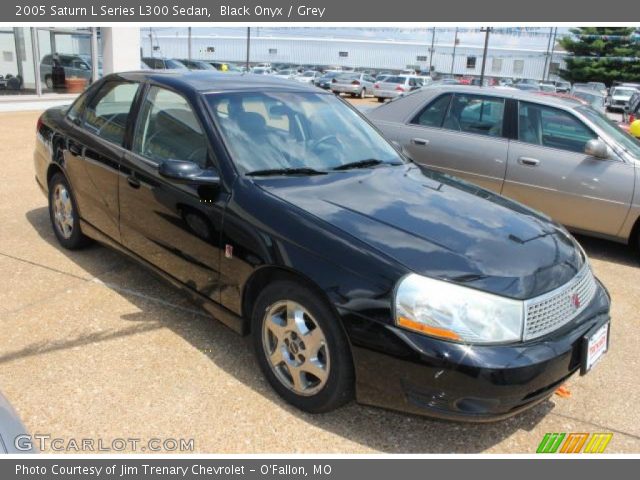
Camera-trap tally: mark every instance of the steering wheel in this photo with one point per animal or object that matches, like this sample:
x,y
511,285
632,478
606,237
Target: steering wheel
x,y
326,139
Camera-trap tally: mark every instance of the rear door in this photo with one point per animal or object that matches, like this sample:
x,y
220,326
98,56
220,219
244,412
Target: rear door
x,y
549,171
175,227
462,135
95,150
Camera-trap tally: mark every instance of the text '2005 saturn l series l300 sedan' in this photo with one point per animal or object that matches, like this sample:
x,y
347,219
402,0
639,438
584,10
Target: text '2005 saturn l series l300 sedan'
x,y
284,213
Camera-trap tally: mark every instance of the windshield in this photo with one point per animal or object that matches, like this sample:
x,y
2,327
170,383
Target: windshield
x,y
623,92
622,138
596,101
174,65
285,130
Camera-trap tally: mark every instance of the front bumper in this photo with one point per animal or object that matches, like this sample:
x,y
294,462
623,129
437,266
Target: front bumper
x,y
426,376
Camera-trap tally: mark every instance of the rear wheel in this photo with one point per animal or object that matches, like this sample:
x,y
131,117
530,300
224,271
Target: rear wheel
x,y
301,348
48,81
64,214
363,93
380,99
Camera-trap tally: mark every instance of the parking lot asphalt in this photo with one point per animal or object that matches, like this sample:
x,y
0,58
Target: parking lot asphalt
x,y
94,346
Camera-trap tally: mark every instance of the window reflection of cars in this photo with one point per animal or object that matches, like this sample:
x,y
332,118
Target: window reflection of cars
x,y
56,68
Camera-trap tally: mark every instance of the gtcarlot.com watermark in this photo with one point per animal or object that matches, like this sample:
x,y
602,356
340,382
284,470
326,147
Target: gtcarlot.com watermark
x,y
49,443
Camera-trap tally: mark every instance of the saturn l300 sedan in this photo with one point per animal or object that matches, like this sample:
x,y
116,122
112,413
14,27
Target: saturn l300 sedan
x,y
284,213
558,156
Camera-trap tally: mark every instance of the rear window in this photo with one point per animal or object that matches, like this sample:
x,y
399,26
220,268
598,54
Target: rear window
x,y
395,80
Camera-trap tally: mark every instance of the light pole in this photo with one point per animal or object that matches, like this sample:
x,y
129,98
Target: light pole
x,y
453,57
248,46
546,58
433,40
487,30
553,47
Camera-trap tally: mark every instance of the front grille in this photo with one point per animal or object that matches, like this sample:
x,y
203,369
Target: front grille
x,y
552,310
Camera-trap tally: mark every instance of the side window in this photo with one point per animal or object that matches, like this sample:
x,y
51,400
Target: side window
x,y
108,112
168,129
475,114
75,111
433,114
552,127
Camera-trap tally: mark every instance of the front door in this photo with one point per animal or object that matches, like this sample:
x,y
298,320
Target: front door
x,y
175,227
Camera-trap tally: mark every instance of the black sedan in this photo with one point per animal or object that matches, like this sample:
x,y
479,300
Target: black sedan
x,y
285,214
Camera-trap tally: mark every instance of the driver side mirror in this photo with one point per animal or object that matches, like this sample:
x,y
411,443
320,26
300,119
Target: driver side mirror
x,y
188,173
596,148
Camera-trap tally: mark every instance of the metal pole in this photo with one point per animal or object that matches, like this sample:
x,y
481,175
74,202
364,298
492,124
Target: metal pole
x,y
553,47
433,40
35,51
487,30
189,30
94,54
248,46
455,44
151,41
546,58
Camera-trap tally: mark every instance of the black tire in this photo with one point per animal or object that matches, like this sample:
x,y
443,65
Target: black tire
x,y
74,239
380,100
363,93
48,81
338,388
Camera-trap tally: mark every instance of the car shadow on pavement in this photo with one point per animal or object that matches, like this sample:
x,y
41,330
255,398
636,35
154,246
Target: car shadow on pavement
x,y
373,428
609,251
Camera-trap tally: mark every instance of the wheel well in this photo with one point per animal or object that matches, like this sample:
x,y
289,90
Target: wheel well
x,y
634,238
53,169
262,277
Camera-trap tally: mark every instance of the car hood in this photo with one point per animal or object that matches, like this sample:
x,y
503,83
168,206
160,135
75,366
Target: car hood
x,y
440,227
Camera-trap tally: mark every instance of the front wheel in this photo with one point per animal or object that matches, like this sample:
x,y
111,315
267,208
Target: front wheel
x,y
301,348
380,100
64,214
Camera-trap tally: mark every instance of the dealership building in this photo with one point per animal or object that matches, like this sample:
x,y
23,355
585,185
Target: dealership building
x,y
42,64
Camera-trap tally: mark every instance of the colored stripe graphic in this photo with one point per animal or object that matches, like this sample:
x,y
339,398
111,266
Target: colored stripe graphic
x,y
574,443
550,443
598,442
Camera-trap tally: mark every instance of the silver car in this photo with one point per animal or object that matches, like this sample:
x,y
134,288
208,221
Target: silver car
x,y
619,98
559,157
396,86
355,84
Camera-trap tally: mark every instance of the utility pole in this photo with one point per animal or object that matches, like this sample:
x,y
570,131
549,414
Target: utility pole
x,y
546,58
553,47
189,46
248,46
487,30
151,41
453,57
433,40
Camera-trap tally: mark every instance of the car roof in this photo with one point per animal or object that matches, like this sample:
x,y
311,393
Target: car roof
x,y
209,81
526,95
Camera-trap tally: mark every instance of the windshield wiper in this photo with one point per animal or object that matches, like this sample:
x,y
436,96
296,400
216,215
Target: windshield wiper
x,y
270,172
371,162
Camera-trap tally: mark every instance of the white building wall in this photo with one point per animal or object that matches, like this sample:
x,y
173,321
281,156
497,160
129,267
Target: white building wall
x,y
120,49
361,53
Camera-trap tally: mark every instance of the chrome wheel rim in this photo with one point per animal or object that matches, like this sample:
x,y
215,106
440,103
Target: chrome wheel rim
x,y
295,347
63,211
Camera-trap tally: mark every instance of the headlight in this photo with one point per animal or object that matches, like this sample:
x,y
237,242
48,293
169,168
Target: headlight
x,y
452,312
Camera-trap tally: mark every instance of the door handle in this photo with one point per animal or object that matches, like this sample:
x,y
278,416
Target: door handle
x,y
133,181
420,141
528,161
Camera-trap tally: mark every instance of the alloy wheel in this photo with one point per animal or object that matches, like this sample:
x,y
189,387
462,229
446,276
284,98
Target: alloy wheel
x,y
63,211
295,347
